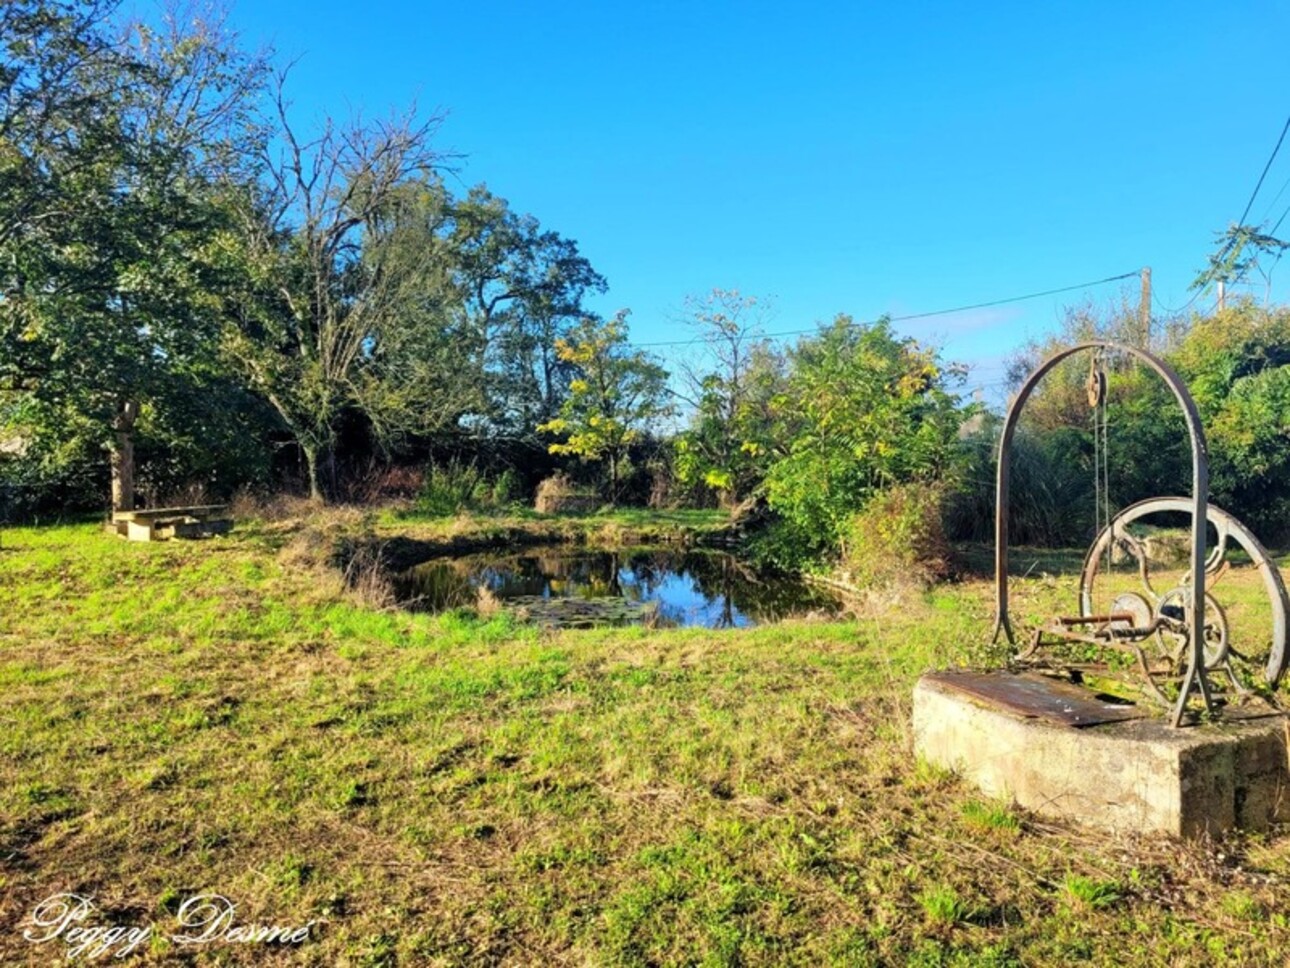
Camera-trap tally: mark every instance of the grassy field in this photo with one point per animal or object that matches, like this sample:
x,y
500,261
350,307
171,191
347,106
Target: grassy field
x,y
216,717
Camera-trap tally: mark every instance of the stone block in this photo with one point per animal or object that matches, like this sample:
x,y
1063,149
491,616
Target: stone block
x,y
1139,775
138,530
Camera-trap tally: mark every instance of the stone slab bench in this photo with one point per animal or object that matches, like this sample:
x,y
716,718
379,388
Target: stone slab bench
x,y
159,524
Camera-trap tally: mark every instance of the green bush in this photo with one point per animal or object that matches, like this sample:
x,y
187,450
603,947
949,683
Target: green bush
x,y
865,410
457,486
783,545
1236,365
897,539
506,489
450,489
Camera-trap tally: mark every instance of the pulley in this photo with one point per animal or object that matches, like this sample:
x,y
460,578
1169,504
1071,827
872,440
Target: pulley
x,y
1095,385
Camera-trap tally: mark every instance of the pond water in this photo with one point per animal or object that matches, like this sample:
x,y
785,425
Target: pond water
x,y
579,588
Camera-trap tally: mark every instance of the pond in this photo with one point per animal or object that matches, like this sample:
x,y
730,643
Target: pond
x,y
576,587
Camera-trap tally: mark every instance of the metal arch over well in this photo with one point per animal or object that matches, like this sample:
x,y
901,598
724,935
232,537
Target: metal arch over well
x,y
1195,676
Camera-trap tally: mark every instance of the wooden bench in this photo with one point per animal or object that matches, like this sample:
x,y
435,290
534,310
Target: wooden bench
x,y
158,524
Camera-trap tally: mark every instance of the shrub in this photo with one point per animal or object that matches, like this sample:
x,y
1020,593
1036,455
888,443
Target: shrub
x,y
897,539
451,488
783,545
506,489
864,410
456,486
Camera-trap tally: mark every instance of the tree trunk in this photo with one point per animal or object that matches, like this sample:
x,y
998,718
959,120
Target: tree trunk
x,y
613,477
121,456
312,470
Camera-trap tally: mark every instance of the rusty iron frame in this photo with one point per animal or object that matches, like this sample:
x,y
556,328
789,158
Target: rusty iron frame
x,y
1195,677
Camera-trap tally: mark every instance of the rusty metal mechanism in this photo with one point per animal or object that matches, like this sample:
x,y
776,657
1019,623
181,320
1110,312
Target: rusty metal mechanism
x,y
1160,609
1178,634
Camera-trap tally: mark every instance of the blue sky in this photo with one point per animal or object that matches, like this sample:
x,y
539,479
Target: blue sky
x,y
862,158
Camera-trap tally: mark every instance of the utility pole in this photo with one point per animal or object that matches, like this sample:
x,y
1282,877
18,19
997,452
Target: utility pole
x,y
1144,308
1222,294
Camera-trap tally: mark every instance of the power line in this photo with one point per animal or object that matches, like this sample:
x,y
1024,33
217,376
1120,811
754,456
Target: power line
x,y
1276,198
1272,158
1181,309
1273,232
936,312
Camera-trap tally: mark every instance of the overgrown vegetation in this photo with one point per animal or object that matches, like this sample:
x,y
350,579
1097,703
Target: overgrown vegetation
x,y
898,540
453,487
200,299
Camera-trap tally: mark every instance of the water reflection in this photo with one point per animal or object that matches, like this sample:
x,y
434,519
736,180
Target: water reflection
x,y
563,587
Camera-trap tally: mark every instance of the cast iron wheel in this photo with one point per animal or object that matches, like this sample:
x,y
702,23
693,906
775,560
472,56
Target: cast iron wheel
x,y
1171,606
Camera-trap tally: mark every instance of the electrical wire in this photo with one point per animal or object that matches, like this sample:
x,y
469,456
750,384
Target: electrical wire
x,y
1274,228
1276,198
1181,309
928,315
1259,184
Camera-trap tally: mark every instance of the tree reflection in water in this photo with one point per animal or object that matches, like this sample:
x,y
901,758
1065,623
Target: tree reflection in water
x,y
577,587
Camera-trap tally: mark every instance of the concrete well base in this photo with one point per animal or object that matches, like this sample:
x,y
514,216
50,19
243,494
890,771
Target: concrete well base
x,y
1140,775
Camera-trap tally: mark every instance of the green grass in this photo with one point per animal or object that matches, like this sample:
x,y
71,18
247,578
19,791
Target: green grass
x,y
181,718
1090,893
943,906
990,816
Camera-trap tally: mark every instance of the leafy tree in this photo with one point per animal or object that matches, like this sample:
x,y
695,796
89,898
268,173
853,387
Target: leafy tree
x,y
161,243
1233,364
1237,365
117,151
521,288
1222,349
335,308
207,438
1055,488
615,395
421,366
1239,250
1061,398
729,441
864,410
